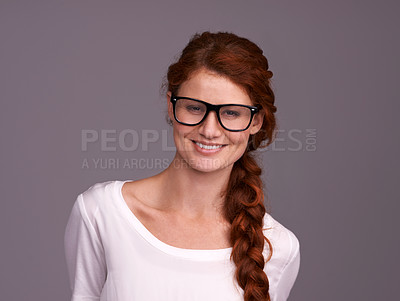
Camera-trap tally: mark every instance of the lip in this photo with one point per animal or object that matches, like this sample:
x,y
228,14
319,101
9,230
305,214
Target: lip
x,y
207,151
207,143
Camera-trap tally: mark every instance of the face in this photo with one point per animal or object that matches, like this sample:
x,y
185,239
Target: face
x,y
208,146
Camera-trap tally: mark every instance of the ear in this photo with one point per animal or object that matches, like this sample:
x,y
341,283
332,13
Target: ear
x,y
170,107
257,122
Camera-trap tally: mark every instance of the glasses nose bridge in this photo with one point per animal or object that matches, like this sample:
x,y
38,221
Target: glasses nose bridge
x,y
211,107
215,108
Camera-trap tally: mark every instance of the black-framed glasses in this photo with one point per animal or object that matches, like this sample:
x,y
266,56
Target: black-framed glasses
x,y
232,117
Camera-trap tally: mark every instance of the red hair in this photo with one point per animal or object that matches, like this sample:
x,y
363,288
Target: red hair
x,y
242,62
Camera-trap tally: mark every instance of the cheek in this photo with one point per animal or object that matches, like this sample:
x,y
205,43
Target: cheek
x,y
238,138
180,131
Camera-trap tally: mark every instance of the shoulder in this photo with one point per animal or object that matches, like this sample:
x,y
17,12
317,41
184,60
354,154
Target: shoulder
x,y
92,198
82,219
285,244
98,190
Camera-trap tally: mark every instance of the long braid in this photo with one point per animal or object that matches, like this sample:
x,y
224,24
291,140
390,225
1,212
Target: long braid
x,y
245,210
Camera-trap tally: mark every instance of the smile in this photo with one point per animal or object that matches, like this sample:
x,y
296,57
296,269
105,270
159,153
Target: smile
x,y
210,147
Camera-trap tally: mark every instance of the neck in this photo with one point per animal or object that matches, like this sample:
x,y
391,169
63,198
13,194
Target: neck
x,y
191,193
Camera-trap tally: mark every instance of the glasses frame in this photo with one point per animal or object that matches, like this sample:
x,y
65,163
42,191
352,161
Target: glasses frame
x,y
215,108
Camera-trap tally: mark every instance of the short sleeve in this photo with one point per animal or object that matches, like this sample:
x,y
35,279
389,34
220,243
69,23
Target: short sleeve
x,y
84,255
290,271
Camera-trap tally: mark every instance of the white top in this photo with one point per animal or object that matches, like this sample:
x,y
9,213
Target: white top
x,y
111,256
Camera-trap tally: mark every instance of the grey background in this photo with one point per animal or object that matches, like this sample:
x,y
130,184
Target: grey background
x,y
68,66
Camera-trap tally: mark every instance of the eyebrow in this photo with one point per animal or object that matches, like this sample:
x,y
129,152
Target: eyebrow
x,y
220,105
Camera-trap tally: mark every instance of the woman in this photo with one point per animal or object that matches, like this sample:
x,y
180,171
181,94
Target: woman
x,y
199,229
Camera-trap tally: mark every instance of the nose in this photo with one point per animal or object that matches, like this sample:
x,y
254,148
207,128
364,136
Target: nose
x,y
210,127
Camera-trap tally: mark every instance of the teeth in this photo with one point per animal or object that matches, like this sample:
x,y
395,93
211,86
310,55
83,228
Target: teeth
x,y
208,146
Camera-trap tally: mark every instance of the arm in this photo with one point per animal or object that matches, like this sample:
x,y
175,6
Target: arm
x,y
289,273
84,255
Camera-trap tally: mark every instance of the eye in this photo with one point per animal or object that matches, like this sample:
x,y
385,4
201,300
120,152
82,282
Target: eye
x,y
194,109
231,113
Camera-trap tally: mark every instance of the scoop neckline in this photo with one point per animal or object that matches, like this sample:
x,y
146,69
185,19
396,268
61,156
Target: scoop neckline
x,y
194,254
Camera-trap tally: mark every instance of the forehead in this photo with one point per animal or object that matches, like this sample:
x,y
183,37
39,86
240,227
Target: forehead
x,y
213,88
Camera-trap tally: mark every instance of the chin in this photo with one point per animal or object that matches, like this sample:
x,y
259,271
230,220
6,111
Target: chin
x,y
207,164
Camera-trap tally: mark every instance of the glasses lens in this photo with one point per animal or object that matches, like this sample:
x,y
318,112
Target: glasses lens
x,y
235,117
189,111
